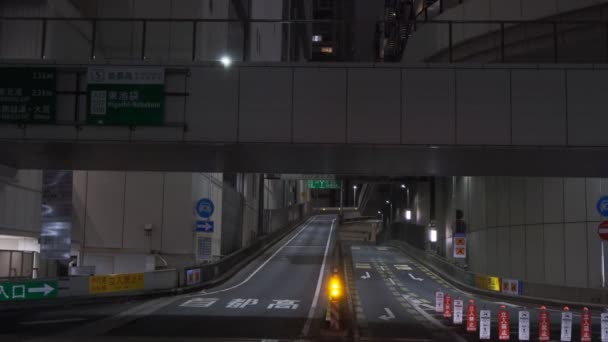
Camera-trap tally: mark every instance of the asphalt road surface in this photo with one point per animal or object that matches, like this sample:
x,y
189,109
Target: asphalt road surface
x,y
386,280
280,295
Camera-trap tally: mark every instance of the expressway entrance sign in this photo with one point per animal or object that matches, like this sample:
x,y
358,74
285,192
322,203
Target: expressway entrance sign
x,y
324,184
28,290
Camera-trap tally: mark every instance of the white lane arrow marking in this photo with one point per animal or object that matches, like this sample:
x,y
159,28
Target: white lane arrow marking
x,y
389,315
366,276
411,276
46,289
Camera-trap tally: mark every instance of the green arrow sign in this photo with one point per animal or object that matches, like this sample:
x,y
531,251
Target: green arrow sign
x,y
28,290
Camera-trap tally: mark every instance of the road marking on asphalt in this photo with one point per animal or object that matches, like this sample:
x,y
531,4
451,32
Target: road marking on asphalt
x,y
366,276
403,267
435,322
315,300
360,265
388,316
53,321
355,247
104,325
392,281
417,279
306,226
382,248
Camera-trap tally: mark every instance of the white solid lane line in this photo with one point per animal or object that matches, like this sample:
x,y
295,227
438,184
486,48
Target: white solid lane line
x,y
315,300
53,321
392,281
203,293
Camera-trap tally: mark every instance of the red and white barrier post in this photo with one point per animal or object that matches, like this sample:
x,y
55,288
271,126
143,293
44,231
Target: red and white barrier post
x,y
504,324
585,325
471,316
544,325
447,306
566,334
439,302
524,325
458,307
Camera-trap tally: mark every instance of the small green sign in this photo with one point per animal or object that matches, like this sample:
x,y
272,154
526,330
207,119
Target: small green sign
x,y
27,94
125,96
28,290
324,184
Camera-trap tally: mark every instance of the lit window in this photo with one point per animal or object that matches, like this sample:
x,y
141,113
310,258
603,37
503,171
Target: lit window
x,y
317,38
327,49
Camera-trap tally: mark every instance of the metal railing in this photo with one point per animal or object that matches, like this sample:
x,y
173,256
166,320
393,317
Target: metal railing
x,y
450,41
92,31
513,41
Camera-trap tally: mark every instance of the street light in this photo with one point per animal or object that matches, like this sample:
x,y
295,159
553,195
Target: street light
x,y
226,61
390,215
408,212
355,196
433,235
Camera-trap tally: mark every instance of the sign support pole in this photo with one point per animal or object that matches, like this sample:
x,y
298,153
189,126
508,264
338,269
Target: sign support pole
x,y
603,268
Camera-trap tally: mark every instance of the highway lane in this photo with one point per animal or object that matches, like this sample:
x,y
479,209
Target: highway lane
x,y
274,300
407,279
272,297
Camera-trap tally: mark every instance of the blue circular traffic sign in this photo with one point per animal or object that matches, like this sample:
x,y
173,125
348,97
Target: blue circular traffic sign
x,y
602,206
204,208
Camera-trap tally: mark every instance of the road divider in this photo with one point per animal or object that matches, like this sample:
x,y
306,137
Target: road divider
x,y
504,324
566,331
447,306
544,324
471,316
439,302
585,325
524,325
485,327
458,307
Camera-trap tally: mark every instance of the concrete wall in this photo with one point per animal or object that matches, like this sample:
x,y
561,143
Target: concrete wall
x,y
529,105
112,207
20,205
536,229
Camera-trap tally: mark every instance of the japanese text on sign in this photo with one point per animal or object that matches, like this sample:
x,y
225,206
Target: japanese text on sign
x,y
116,283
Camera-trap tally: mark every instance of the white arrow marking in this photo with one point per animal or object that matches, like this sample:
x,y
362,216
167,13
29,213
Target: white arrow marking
x,y
366,276
46,289
411,276
389,315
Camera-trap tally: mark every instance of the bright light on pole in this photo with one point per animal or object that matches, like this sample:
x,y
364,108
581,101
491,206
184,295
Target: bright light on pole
x,y
433,235
408,214
402,186
226,61
355,196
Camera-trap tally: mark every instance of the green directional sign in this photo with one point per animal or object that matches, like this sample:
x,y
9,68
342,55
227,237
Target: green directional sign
x,y
324,184
27,94
125,95
28,290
